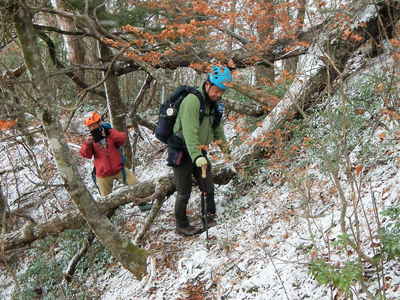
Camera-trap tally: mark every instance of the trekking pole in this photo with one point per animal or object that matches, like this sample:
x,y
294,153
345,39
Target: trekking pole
x,y
204,201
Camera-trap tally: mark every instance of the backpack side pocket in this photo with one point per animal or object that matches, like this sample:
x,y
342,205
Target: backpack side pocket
x,y
175,157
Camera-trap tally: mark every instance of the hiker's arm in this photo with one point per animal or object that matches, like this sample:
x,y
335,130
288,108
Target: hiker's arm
x,y
189,111
86,150
220,139
118,137
219,134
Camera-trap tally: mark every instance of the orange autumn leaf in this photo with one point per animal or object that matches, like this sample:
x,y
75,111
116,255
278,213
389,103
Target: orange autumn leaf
x,y
382,136
303,44
358,169
359,111
396,56
4,125
203,147
395,43
357,37
232,118
380,87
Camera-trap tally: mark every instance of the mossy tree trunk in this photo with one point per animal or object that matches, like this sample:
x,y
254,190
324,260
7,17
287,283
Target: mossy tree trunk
x,y
265,74
3,206
74,44
290,64
131,257
116,107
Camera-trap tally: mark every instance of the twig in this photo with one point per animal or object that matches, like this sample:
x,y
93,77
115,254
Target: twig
x,y
21,135
85,91
277,272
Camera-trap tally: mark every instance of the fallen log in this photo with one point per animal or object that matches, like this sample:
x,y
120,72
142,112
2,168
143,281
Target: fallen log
x,y
136,194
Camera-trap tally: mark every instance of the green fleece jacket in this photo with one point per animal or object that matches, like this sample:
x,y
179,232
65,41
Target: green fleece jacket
x,y
188,127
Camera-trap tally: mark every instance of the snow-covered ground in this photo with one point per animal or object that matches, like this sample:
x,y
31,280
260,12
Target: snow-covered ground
x,y
261,253
261,247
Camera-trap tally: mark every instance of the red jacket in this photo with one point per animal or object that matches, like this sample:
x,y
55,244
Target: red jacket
x,y
107,158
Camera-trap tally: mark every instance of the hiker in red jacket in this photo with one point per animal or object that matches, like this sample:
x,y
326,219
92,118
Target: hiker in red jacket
x,y
103,145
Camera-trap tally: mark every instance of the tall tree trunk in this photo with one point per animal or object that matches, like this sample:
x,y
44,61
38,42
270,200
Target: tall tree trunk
x,y
73,44
131,257
265,30
116,107
3,206
232,26
290,64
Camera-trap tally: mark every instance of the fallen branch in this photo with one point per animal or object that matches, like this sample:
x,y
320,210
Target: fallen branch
x,y
17,169
160,197
70,270
136,194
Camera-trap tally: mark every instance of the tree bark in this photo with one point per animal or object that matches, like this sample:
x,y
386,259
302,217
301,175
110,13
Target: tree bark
x,y
159,196
3,206
130,256
116,107
290,64
248,109
71,268
265,74
74,47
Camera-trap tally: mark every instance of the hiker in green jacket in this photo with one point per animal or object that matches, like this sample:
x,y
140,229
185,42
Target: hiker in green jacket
x,y
195,138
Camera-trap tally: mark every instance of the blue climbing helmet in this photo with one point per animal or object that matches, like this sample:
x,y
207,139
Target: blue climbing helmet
x,y
219,75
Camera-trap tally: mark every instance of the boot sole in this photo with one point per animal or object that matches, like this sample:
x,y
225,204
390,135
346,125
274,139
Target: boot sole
x,y
192,234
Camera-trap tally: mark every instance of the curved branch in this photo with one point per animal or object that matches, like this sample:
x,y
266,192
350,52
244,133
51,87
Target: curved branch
x,y
55,29
59,65
142,122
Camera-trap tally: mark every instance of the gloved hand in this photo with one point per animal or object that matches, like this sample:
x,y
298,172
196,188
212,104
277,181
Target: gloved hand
x,y
201,161
89,140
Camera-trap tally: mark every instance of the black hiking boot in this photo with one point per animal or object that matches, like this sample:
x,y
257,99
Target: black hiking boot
x,y
187,230
210,221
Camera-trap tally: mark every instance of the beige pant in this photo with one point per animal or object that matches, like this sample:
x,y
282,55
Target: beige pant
x,y
105,184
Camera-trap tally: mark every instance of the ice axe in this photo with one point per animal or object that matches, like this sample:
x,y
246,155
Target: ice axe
x,y
203,200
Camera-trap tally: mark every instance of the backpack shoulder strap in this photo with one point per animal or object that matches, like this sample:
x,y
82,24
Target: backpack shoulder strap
x,y
218,113
199,95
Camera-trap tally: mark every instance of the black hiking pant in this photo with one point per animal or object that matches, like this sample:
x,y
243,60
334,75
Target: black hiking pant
x,y
183,180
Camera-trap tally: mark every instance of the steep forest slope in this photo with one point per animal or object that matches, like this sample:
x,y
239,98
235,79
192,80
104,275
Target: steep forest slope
x,y
316,217
308,204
